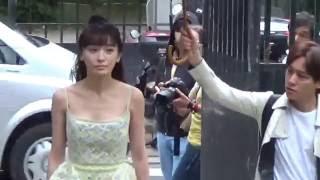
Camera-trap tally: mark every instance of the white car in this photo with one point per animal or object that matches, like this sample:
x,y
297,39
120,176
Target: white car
x,y
279,34
31,69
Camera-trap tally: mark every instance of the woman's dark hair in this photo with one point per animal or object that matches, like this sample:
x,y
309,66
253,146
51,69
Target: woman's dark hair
x,y
192,19
96,19
310,50
98,33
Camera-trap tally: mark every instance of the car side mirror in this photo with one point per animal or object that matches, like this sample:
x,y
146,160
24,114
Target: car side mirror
x,y
134,34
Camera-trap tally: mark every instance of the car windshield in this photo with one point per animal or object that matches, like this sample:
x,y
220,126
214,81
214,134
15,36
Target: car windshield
x,y
37,41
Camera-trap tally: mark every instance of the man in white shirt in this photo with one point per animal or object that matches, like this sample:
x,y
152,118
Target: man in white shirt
x,y
293,130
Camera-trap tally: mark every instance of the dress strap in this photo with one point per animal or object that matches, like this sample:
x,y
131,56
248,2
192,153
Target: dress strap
x,y
67,99
129,98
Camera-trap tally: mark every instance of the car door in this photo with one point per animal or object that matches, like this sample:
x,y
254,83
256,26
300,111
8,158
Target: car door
x,y
11,65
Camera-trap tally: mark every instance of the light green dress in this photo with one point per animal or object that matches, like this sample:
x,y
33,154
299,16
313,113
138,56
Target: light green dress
x,y
96,150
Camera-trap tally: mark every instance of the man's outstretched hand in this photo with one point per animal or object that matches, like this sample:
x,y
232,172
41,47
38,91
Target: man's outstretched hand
x,y
190,43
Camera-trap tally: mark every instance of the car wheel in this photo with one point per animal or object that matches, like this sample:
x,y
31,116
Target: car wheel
x,y
29,155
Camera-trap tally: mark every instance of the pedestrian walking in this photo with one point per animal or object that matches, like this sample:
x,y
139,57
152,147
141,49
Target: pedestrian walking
x,y
98,115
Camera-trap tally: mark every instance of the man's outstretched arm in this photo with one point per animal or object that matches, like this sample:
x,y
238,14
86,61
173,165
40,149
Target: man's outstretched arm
x,y
249,103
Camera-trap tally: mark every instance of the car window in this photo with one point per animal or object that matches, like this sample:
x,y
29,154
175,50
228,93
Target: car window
x,y
37,41
8,56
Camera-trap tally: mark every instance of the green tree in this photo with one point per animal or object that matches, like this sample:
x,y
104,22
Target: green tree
x,y
37,10
3,8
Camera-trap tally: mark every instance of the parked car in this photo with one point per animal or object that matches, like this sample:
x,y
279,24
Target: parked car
x,y
31,69
279,34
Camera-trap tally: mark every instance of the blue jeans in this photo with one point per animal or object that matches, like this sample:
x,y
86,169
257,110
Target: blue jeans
x,y
168,161
189,166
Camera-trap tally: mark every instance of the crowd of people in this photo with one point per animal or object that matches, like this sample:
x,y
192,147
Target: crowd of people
x,y
99,115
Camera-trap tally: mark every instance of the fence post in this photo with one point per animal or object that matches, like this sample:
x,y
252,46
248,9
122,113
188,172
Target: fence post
x,y
293,10
124,19
12,12
266,33
317,16
140,15
229,140
61,20
77,19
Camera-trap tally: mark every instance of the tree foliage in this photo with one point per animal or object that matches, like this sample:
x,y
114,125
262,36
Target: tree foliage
x,y
36,10
3,8
48,10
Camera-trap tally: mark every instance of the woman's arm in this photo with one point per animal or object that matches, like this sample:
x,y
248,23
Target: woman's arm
x,y
137,133
57,153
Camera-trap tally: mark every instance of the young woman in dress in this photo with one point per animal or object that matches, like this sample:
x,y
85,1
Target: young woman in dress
x,y
98,115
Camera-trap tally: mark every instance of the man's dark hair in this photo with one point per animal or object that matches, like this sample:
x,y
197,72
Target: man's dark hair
x,y
305,19
311,52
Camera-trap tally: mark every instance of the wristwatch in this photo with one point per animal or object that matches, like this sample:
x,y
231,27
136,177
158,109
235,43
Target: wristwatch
x,y
195,107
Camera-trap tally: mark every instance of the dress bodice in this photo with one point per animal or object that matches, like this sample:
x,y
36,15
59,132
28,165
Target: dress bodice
x,y
97,150
97,143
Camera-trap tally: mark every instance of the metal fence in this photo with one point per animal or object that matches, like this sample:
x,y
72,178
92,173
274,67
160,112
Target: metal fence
x,y
232,30
60,27
229,146
231,45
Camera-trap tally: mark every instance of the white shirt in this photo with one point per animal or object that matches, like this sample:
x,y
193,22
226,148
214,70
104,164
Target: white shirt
x,y
294,158
284,60
252,105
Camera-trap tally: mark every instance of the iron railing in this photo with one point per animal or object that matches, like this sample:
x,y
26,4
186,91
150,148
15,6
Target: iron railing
x,y
231,33
62,23
30,27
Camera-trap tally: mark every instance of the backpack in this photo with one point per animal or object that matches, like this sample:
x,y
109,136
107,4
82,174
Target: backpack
x,y
266,162
267,112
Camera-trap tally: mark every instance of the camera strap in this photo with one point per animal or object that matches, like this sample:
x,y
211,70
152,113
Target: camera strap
x,y
173,70
176,146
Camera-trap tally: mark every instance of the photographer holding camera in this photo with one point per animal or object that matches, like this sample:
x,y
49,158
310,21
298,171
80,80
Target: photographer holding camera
x,y
189,165
171,139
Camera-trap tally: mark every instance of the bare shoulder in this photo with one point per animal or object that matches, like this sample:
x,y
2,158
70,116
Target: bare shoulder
x,y
59,98
137,99
136,94
59,95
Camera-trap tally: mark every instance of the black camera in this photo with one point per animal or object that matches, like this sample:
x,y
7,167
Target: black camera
x,y
168,121
168,93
